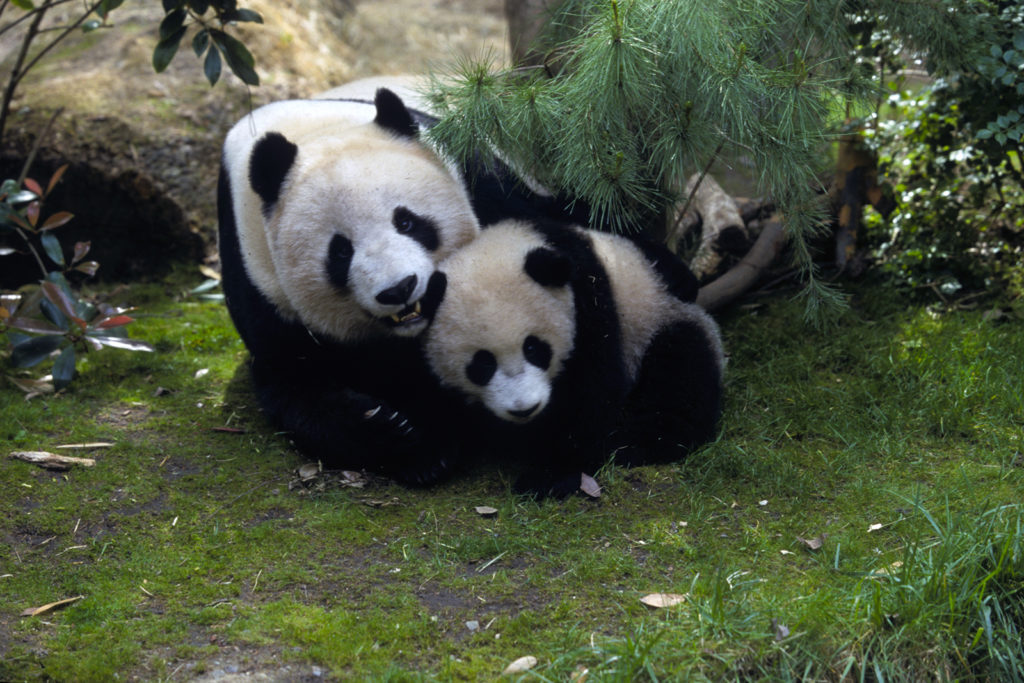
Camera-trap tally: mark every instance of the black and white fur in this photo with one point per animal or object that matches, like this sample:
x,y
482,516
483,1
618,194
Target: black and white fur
x,y
581,342
332,216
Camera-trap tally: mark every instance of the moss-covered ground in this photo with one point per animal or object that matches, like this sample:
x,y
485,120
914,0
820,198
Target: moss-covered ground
x,y
857,518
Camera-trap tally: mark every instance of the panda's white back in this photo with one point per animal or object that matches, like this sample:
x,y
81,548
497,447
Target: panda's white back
x,y
642,299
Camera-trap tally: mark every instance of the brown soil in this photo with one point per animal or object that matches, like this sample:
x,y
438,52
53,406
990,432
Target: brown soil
x,y
144,147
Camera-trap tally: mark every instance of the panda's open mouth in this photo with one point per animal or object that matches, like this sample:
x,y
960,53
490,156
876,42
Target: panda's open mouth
x,y
407,316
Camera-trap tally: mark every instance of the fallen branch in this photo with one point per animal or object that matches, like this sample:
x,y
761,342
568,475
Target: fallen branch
x,y
740,277
51,461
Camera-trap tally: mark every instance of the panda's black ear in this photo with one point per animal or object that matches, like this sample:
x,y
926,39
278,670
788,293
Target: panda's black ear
x,y
272,158
548,267
392,114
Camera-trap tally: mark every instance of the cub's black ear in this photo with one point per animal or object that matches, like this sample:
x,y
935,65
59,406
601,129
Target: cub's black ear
x,y
392,114
272,158
548,267
432,298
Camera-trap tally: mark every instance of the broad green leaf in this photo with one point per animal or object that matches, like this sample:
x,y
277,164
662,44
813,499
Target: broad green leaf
x,y
238,57
205,287
33,351
199,6
81,249
211,65
114,321
166,49
120,342
242,15
51,245
200,42
64,368
63,301
172,23
53,314
56,220
57,175
88,267
171,5
107,6
33,325
23,4
21,197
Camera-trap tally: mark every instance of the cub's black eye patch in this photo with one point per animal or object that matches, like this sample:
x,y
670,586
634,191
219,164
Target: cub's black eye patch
x,y
420,228
537,352
481,368
339,259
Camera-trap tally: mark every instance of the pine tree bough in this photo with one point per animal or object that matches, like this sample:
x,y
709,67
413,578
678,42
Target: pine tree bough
x,y
740,277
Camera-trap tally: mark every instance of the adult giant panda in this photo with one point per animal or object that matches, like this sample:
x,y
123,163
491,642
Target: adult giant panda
x,y
332,216
581,342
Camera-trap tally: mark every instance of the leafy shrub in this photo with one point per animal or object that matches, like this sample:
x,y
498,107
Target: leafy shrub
x,y
954,154
50,319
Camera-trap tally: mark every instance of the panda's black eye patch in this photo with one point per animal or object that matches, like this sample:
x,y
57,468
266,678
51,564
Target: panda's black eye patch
x,y
537,352
482,367
339,259
420,228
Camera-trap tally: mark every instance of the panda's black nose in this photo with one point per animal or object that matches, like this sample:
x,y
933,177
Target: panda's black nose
x,y
525,412
398,294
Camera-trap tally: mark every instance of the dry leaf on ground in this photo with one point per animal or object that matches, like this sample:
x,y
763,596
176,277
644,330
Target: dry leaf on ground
x,y
486,510
35,611
589,485
51,461
660,600
309,470
813,543
520,665
781,631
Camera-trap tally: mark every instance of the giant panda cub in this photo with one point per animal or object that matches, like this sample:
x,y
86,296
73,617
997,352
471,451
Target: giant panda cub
x,y
580,342
332,217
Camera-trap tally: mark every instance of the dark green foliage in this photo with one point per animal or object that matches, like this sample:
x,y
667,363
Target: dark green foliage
x,y
62,318
215,42
954,155
637,95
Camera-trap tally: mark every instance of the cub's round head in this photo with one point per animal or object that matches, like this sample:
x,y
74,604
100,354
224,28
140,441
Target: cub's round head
x,y
504,321
356,222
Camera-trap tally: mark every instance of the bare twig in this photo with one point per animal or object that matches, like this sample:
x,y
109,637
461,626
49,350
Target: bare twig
x,y
16,71
36,145
689,196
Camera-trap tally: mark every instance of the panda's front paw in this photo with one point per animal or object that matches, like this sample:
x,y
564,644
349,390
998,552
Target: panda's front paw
x,y
384,424
426,472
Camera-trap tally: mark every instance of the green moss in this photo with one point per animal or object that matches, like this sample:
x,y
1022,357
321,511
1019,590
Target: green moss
x,y
194,548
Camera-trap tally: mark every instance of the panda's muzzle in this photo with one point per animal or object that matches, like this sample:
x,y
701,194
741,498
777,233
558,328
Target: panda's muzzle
x,y
407,316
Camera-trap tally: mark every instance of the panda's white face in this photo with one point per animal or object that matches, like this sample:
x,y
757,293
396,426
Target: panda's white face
x,y
499,336
361,222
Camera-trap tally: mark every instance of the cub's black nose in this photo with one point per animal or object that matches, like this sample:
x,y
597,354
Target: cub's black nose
x,y
398,294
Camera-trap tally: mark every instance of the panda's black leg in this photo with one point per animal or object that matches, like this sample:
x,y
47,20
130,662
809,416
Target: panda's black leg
x,y
346,428
676,403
